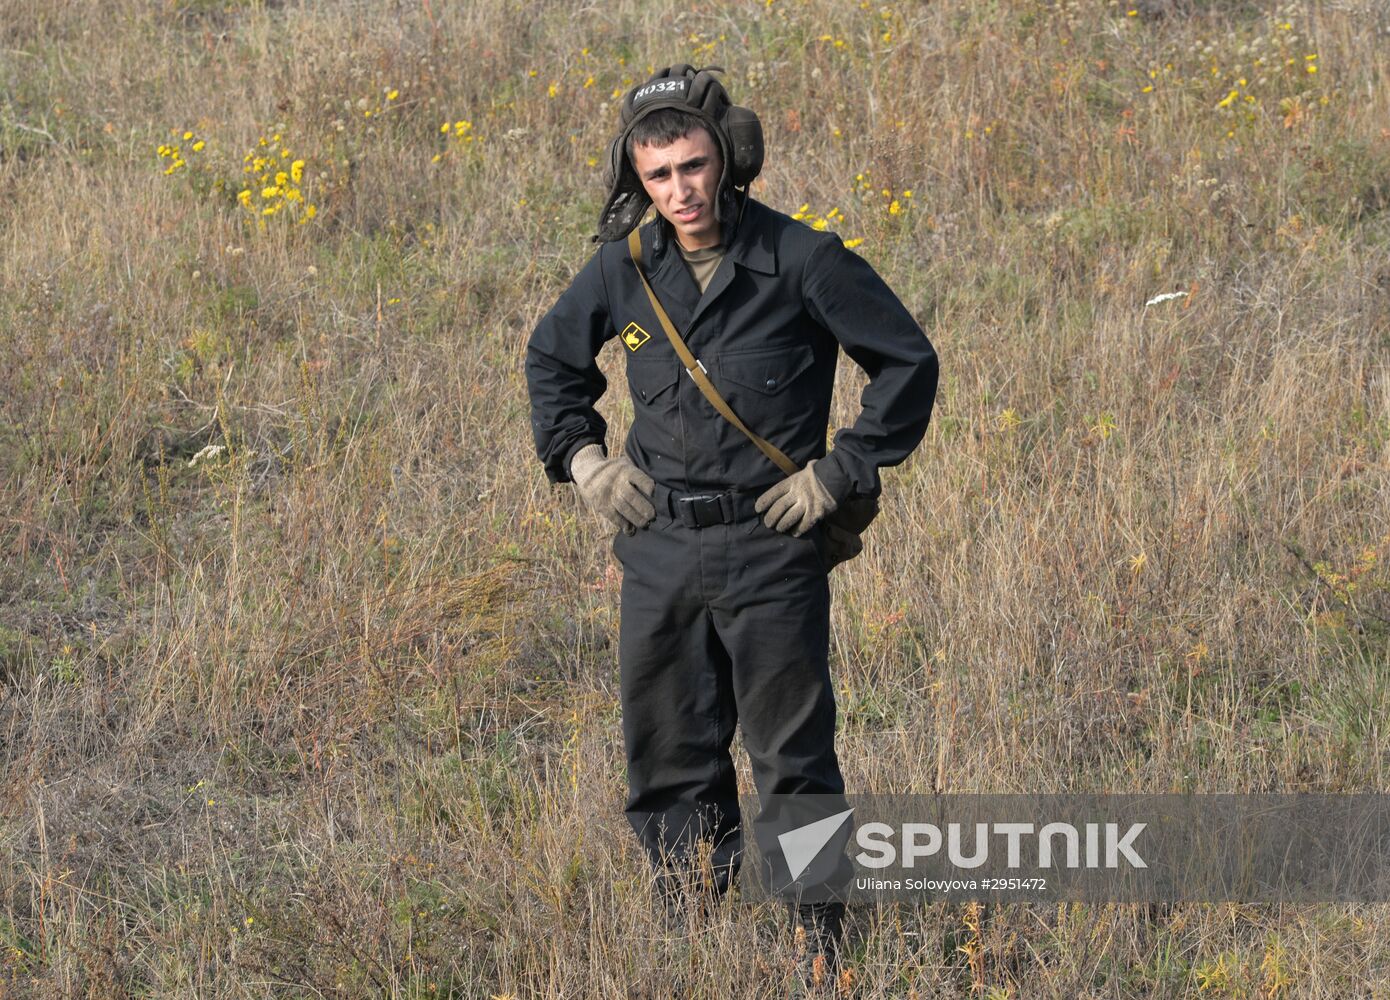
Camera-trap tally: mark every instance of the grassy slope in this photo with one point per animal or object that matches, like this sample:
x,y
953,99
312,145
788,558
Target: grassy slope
x,y
337,707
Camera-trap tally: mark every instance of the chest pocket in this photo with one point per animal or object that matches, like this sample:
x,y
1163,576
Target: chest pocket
x,y
767,388
653,380
767,372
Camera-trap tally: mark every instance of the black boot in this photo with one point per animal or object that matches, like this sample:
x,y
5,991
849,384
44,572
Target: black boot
x,y
818,929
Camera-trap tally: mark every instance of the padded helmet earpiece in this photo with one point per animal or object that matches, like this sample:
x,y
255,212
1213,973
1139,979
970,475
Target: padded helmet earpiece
x,y
745,134
698,91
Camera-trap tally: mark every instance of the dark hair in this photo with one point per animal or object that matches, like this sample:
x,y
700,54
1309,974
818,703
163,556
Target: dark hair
x,y
663,127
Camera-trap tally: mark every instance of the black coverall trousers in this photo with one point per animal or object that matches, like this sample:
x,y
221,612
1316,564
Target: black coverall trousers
x,y
723,625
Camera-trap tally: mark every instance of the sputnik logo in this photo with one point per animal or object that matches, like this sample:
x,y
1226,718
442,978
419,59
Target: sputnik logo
x,y
800,846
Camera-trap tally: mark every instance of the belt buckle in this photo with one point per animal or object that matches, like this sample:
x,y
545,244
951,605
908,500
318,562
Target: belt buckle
x,y
705,509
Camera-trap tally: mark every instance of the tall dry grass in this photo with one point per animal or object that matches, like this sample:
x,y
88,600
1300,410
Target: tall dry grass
x,y
333,712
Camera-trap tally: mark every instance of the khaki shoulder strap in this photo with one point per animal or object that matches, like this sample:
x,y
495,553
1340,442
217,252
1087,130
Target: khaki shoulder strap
x,y
695,370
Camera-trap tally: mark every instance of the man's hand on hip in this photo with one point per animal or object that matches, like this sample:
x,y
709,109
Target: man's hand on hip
x,y
613,487
795,504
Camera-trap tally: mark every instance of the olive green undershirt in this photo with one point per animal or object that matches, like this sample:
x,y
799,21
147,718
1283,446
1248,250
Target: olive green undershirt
x,y
702,263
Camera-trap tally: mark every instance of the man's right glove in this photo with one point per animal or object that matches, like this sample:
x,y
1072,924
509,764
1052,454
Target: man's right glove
x,y
613,487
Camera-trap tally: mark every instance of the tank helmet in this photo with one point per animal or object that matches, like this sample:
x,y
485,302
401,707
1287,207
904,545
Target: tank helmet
x,y
698,92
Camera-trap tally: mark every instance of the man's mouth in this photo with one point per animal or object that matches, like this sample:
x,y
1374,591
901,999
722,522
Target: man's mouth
x,y
686,214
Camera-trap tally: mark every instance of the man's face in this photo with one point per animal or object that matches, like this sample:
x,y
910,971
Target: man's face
x,y
681,179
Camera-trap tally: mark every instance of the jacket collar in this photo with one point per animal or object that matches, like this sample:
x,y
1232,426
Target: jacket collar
x,y
748,243
746,238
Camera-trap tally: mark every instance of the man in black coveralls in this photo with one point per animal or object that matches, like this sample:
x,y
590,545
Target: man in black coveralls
x,y
725,594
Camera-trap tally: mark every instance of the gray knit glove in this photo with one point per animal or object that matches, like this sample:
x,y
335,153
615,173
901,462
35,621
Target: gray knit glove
x,y
796,503
613,487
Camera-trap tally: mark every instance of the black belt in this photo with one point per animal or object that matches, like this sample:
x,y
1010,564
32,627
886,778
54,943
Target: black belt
x,y
701,510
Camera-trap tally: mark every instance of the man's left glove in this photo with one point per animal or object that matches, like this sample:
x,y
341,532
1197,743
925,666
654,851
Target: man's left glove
x,y
613,487
796,503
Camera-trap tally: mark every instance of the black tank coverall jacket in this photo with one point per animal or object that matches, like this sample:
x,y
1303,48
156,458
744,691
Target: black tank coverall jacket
x,y
728,622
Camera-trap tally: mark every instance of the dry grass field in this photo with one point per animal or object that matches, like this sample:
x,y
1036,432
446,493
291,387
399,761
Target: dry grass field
x,y
308,680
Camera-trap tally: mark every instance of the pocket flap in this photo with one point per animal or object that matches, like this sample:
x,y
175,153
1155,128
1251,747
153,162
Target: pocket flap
x,y
648,378
767,371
